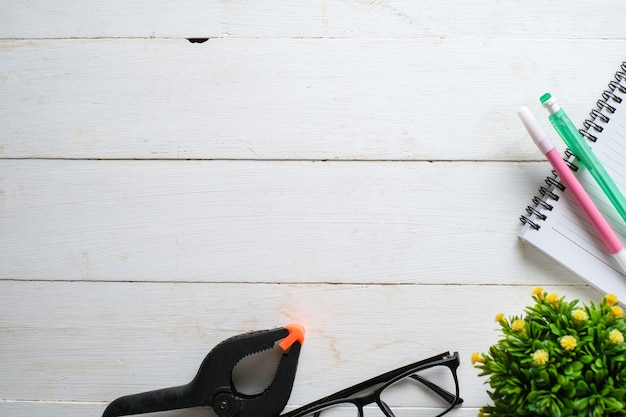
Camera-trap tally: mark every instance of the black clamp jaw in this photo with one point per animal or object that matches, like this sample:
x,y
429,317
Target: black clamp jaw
x,y
213,386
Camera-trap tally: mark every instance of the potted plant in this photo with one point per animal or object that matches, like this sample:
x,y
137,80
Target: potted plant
x,y
559,358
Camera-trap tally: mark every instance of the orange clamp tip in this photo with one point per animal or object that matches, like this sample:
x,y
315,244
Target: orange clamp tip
x,y
296,334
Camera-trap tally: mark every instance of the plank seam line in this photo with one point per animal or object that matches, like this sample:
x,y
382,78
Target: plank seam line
x,y
365,38
337,283
277,160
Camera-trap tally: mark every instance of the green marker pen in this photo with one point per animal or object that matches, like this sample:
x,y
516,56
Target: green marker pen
x,y
576,143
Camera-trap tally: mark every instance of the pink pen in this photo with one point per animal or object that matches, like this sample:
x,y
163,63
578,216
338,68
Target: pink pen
x,y
544,144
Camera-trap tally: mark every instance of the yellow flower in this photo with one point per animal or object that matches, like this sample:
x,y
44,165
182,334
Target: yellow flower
x,y
540,357
568,342
519,326
480,414
615,336
500,317
553,299
610,299
477,358
616,311
579,315
538,292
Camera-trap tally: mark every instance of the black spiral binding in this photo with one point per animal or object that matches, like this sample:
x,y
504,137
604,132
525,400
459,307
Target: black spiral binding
x,y
597,118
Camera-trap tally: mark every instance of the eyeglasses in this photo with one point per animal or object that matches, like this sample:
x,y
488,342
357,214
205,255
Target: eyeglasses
x,y
428,388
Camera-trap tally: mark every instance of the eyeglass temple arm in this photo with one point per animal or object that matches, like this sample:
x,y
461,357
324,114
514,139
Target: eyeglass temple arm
x,y
449,397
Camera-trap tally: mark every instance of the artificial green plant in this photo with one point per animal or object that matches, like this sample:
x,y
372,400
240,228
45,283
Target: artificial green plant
x,y
558,359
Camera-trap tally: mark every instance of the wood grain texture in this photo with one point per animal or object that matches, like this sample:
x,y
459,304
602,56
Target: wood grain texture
x,y
355,166
267,221
91,342
574,19
373,99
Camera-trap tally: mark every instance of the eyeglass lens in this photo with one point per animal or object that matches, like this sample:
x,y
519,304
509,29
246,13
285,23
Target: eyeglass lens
x,y
426,393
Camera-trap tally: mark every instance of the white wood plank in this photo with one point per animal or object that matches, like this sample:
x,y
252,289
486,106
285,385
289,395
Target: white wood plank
x,y
92,342
47,409
118,276
259,221
317,18
290,98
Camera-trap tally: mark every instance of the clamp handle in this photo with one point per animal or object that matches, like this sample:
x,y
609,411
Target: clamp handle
x,y
212,386
173,398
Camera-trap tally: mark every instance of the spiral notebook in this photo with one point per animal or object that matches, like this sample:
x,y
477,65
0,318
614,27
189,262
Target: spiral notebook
x,y
555,224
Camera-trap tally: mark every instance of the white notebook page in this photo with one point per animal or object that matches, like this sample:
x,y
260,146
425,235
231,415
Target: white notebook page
x,y
566,235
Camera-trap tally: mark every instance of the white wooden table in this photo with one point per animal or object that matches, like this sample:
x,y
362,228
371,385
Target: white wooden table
x,y
353,166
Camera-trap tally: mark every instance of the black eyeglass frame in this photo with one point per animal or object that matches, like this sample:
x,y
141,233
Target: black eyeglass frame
x,y
371,389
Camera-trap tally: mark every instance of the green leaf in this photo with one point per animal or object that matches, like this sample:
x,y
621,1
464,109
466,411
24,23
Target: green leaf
x,y
588,381
582,388
569,370
556,330
581,403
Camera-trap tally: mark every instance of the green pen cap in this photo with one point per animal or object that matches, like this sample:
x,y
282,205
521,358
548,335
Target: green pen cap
x,y
566,129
